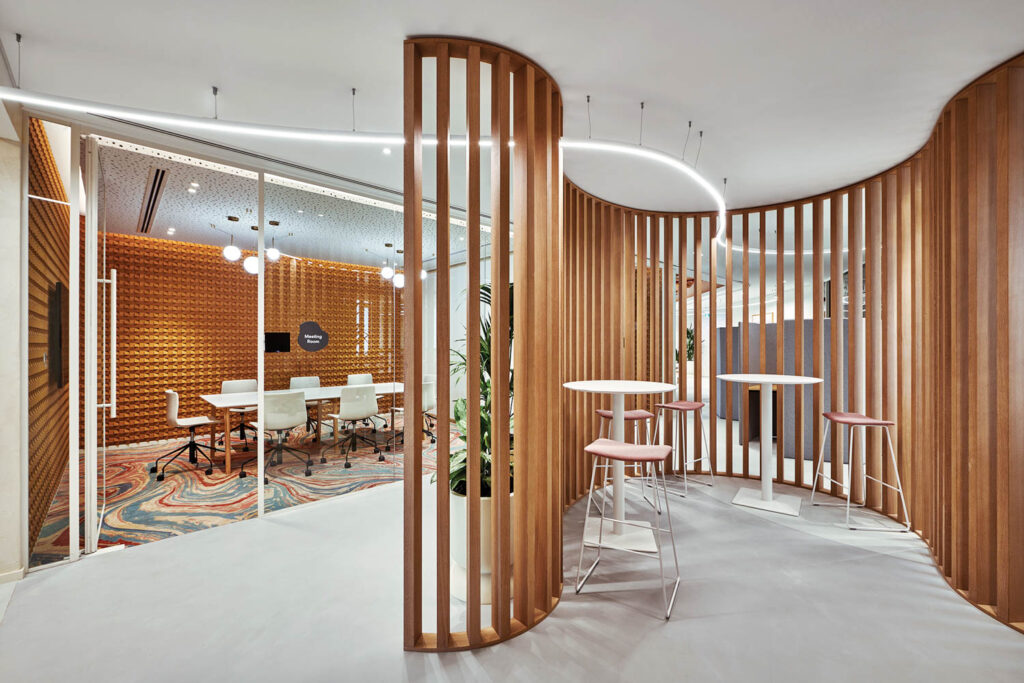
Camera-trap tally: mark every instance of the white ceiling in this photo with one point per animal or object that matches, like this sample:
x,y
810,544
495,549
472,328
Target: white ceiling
x,y
794,98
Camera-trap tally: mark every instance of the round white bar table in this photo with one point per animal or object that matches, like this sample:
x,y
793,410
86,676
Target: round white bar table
x,y
766,500
618,390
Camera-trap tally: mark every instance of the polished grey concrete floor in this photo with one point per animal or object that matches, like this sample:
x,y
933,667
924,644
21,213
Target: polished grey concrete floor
x,y
315,594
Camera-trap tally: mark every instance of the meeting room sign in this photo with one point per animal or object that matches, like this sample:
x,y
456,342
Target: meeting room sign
x,y
312,337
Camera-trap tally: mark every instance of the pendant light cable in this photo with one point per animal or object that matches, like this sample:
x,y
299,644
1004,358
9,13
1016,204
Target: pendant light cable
x,y
353,110
686,143
700,145
641,124
216,113
17,37
590,128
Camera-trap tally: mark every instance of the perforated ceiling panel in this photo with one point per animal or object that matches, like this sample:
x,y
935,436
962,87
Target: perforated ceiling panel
x,y
198,196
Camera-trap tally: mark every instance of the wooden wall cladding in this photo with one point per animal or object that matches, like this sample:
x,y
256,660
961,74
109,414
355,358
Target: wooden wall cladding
x,y
934,343
48,251
187,321
527,562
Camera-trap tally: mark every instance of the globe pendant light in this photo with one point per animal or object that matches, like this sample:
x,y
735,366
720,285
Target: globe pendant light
x,y
272,253
231,252
387,272
399,280
251,265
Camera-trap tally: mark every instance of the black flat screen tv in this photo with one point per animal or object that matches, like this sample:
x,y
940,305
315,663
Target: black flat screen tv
x,y
277,342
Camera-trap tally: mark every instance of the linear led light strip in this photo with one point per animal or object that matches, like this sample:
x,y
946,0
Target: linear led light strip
x,y
353,137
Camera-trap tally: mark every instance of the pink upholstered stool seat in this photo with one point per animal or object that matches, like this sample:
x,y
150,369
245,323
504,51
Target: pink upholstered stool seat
x,y
857,420
629,415
627,452
682,406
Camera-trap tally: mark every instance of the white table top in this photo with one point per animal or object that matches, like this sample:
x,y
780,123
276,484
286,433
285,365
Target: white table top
x,y
769,379
249,398
619,386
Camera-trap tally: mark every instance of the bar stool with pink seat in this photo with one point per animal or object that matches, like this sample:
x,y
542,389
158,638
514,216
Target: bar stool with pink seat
x,y
679,410
852,421
634,417
630,416
605,451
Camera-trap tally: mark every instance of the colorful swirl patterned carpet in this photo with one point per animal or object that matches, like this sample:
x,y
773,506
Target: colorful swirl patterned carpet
x,y
140,509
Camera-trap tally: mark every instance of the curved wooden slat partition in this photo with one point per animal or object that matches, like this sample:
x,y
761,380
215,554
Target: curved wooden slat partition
x,y
526,556
938,346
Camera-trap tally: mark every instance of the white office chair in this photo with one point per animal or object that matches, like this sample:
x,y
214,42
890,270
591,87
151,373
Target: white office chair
x,y
429,406
283,411
312,426
241,386
357,403
194,449
429,402
361,379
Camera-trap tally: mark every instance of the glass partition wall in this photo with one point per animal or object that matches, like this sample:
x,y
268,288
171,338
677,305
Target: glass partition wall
x,y
148,310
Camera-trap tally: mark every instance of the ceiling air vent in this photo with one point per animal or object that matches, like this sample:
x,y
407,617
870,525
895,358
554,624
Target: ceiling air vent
x,y
151,199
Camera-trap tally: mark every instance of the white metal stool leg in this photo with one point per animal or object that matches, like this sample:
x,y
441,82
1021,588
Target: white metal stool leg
x,y
821,460
899,485
669,602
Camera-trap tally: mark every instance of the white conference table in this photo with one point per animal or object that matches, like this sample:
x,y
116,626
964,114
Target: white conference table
x,y
766,499
248,399
620,536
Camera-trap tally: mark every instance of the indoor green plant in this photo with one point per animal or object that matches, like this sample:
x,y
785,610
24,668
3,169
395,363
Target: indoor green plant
x,y
457,462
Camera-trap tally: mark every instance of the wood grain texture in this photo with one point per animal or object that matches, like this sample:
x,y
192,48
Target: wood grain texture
x,y
552,267
443,343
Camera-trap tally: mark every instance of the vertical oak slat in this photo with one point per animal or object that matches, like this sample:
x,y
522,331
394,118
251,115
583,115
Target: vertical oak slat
x,y
873,337
1011,470
835,260
501,514
413,360
889,197
524,176
982,472
745,347
817,350
727,386
780,340
855,369
442,290
762,303
472,345
798,340
698,333
713,345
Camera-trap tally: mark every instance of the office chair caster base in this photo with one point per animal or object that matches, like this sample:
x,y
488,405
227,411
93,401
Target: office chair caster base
x,y
266,482
160,477
380,458
323,460
152,470
245,448
387,448
193,459
309,472
209,471
432,440
348,466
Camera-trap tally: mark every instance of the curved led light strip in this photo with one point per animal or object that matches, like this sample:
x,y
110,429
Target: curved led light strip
x,y
312,135
660,157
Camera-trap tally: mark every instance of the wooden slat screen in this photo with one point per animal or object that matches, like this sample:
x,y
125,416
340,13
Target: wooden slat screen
x,y
922,318
526,562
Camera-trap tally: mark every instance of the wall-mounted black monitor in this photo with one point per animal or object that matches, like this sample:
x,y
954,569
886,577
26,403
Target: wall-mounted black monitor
x,y
277,342
57,342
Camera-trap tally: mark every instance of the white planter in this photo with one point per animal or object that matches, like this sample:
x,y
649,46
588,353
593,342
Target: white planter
x,y
457,519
